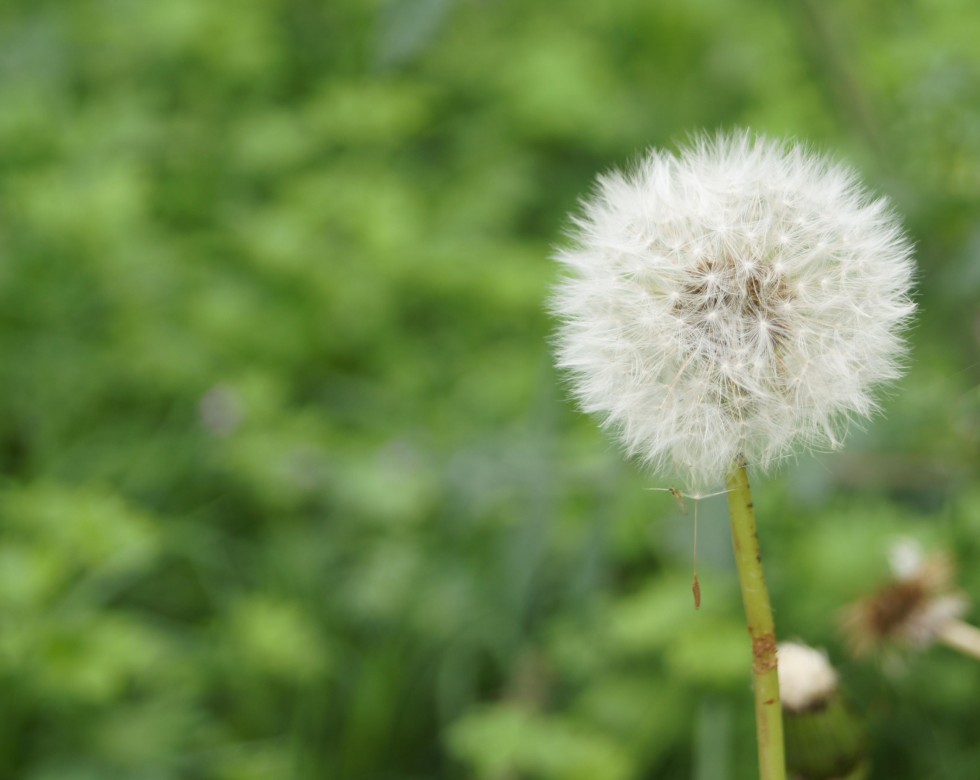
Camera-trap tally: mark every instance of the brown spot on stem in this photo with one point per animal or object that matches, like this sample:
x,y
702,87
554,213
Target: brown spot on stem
x,y
764,653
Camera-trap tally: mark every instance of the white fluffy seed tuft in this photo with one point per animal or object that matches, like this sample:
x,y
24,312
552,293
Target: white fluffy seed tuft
x,y
739,299
806,678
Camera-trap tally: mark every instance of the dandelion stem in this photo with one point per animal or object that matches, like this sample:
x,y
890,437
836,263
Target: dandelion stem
x,y
961,636
758,613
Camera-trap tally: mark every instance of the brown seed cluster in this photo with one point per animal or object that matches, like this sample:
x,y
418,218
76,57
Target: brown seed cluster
x,y
758,300
909,610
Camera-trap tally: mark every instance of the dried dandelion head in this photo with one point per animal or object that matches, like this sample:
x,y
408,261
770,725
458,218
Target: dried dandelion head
x,y
738,299
911,610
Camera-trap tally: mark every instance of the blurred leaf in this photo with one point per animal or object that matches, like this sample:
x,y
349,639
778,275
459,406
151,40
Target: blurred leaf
x,y
504,740
406,26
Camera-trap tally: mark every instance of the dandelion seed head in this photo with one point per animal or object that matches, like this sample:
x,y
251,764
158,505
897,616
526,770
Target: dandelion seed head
x,y
744,297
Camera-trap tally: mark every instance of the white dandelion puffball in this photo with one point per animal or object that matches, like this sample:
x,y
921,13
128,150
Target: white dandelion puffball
x,y
806,678
732,301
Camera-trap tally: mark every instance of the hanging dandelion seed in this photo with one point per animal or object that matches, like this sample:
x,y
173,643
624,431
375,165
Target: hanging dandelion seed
x,y
724,307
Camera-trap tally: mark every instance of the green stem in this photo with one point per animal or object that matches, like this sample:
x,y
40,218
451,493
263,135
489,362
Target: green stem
x,y
758,613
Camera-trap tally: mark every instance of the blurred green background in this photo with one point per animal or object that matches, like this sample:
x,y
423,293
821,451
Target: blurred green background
x,y
290,488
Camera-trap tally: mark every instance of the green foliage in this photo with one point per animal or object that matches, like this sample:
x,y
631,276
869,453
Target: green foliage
x,y
508,741
290,488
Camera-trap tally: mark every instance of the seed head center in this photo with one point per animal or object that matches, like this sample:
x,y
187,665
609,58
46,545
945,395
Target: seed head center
x,y
726,293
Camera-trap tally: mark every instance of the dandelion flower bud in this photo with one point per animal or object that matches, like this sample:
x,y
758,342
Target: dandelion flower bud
x,y
806,678
824,738
738,299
